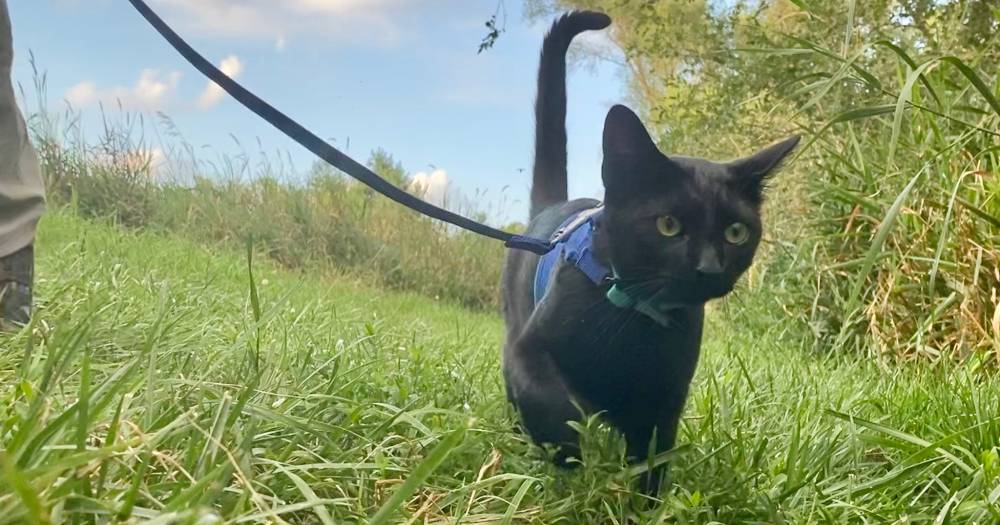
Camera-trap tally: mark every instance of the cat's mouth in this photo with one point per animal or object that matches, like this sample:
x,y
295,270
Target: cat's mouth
x,y
670,290
699,293
716,288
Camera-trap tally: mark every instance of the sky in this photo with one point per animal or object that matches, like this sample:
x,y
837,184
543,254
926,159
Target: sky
x,y
402,75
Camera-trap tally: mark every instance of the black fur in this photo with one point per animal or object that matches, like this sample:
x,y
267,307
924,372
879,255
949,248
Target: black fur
x,y
549,174
577,349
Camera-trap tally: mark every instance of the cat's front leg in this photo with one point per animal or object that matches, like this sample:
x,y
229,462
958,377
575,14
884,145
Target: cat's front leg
x,y
543,398
658,436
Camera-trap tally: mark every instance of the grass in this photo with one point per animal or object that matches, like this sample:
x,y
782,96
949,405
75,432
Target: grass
x,y
158,384
907,244
320,220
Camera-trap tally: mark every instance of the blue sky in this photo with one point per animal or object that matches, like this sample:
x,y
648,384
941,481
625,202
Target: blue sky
x,y
403,75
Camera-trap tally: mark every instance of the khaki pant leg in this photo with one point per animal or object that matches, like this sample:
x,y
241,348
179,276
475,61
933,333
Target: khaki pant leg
x,y
22,191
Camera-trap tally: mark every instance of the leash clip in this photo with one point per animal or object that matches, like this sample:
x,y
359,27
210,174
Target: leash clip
x,y
531,244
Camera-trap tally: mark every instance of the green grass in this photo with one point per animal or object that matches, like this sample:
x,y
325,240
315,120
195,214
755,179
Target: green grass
x,y
160,385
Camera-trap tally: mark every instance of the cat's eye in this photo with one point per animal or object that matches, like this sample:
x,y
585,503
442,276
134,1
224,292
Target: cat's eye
x,y
668,226
737,233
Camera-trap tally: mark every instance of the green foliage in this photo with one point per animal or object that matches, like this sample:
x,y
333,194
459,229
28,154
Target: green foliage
x,y
187,388
886,223
382,163
325,222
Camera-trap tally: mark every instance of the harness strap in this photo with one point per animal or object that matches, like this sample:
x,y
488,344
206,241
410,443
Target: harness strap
x,y
324,150
572,242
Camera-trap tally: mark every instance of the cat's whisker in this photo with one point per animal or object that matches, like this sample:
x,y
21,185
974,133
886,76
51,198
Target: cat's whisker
x,y
630,315
604,320
618,317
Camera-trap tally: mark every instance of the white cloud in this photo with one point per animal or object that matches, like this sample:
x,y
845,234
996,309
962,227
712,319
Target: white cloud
x,y
279,20
82,94
432,187
147,161
157,159
151,91
154,90
232,66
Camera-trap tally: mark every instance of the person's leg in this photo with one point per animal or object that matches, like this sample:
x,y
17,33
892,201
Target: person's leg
x,y
22,193
16,276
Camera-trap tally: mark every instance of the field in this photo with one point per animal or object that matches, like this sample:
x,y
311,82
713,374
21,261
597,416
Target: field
x,y
164,383
233,347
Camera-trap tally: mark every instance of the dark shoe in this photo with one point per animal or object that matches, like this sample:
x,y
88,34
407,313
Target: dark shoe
x,y
16,275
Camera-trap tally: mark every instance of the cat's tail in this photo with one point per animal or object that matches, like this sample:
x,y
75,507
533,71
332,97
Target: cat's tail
x,y
549,174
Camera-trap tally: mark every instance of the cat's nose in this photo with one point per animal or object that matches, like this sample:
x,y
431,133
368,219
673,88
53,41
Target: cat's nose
x,y
708,262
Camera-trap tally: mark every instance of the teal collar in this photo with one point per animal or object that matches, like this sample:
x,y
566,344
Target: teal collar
x,y
625,295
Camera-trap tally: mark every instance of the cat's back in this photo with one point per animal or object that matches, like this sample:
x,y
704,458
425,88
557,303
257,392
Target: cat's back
x,y
517,283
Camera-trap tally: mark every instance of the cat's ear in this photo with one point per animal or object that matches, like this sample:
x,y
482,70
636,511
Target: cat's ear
x,y
624,135
628,150
750,173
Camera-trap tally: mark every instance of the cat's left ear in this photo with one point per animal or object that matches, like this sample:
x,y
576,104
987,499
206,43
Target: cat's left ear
x,y
750,173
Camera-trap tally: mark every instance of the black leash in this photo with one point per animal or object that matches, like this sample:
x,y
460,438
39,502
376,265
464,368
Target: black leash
x,y
325,151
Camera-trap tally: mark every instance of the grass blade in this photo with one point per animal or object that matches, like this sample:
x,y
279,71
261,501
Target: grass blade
x,y
975,80
847,116
83,405
29,498
418,476
515,503
902,436
873,252
905,95
913,65
310,496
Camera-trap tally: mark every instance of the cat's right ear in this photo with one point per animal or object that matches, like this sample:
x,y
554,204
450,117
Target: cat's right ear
x,y
628,149
625,137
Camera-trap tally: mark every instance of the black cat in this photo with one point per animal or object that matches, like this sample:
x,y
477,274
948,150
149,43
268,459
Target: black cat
x,y
611,320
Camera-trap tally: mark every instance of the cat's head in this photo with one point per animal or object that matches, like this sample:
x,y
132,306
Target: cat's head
x,y
688,228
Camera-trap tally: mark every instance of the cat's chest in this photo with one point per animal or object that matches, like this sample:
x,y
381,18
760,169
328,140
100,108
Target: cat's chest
x,y
600,347
620,349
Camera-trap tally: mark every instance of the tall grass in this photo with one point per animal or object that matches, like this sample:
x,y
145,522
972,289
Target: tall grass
x,y
320,220
907,244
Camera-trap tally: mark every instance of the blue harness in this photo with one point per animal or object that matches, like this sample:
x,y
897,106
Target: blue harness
x,y
573,242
